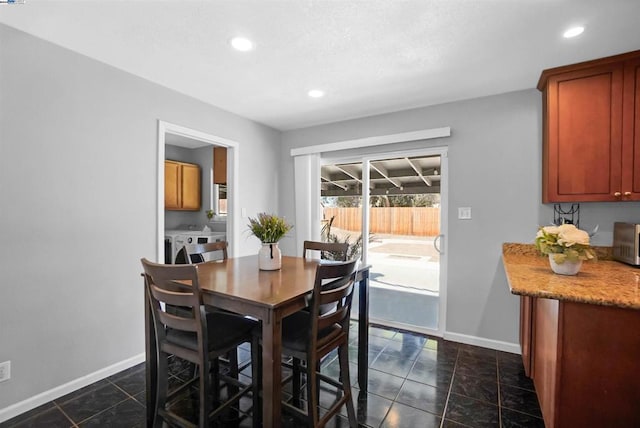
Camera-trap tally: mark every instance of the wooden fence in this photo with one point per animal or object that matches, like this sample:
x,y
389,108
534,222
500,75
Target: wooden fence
x,y
416,221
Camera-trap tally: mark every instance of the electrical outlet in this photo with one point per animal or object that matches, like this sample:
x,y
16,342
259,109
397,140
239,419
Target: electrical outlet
x,y
5,371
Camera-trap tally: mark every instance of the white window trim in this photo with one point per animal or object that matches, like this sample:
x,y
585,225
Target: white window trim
x,y
378,140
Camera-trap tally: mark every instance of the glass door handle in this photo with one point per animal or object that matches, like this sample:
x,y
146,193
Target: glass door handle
x,y
436,244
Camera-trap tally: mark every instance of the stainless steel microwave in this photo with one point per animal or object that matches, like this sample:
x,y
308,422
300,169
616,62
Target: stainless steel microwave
x,y
626,242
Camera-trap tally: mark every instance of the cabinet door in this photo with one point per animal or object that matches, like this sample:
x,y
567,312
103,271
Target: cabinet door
x,y
526,304
190,187
583,135
220,165
172,184
546,375
631,132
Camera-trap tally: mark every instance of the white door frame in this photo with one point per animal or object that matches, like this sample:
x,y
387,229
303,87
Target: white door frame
x,y
444,203
233,200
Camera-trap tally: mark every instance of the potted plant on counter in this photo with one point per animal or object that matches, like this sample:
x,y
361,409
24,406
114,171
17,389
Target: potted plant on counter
x,y
567,247
269,229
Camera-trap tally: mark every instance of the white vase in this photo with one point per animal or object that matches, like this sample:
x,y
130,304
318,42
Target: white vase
x,y
269,257
566,268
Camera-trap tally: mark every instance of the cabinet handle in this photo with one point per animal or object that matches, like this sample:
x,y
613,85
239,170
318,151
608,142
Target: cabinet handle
x,y
627,193
617,194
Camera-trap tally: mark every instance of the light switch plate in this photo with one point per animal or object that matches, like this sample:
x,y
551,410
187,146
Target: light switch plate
x,y
5,371
464,213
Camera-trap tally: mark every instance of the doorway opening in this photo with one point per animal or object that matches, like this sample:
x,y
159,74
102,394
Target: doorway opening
x,y
216,196
401,211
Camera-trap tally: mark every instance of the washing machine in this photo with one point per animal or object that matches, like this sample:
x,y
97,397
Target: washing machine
x,y
176,239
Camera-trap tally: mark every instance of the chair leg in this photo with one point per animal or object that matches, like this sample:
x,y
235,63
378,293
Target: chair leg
x,y
318,382
256,381
215,380
232,356
205,388
313,398
163,386
343,356
296,381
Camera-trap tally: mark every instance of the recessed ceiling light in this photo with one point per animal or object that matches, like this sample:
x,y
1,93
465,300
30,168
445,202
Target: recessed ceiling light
x,y
316,93
573,32
242,44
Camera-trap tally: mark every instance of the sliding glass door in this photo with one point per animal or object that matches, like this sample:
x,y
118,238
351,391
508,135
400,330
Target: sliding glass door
x,y
401,212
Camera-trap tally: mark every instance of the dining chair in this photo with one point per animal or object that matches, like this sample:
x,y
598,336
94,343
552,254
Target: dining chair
x,y
328,250
310,335
199,337
195,253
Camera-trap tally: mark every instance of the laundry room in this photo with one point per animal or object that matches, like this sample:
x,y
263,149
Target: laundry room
x,y
195,194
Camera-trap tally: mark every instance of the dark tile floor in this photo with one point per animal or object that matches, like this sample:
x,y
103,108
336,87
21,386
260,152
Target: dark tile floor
x,y
414,381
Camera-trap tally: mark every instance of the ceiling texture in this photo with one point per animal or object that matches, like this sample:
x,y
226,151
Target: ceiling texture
x,y
369,56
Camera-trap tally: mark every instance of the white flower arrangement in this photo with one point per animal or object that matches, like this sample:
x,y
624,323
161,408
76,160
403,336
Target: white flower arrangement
x,y
565,242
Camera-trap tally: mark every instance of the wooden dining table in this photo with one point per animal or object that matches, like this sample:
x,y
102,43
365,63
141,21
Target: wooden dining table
x,y
237,285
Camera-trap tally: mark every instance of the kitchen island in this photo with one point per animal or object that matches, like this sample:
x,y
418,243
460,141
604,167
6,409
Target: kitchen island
x,y
580,337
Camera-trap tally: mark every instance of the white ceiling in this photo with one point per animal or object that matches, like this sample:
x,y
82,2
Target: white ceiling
x,y
370,57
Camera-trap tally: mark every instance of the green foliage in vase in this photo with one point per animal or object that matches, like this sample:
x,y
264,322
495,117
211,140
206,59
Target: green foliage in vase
x,y
269,228
565,242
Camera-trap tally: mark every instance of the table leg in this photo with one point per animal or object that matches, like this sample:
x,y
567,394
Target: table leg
x,y
271,370
151,364
363,331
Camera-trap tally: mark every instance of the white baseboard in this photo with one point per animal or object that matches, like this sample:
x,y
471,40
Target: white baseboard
x,y
405,327
57,392
498,345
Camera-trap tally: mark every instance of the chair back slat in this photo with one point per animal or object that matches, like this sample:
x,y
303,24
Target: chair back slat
x,y
171,297
328,250
334,290
334,285
195,253
182,319
178,322
334,317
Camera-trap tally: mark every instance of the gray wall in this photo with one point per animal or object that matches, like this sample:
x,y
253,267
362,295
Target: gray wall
x,y
78,168
495,168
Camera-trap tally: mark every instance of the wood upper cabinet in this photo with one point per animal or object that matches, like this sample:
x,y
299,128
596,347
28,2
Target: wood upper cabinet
x,y
181,186
172,188
631,131
190,187
590,113
220,165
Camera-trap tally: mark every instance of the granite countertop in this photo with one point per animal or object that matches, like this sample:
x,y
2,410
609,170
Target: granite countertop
x,y
603,282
